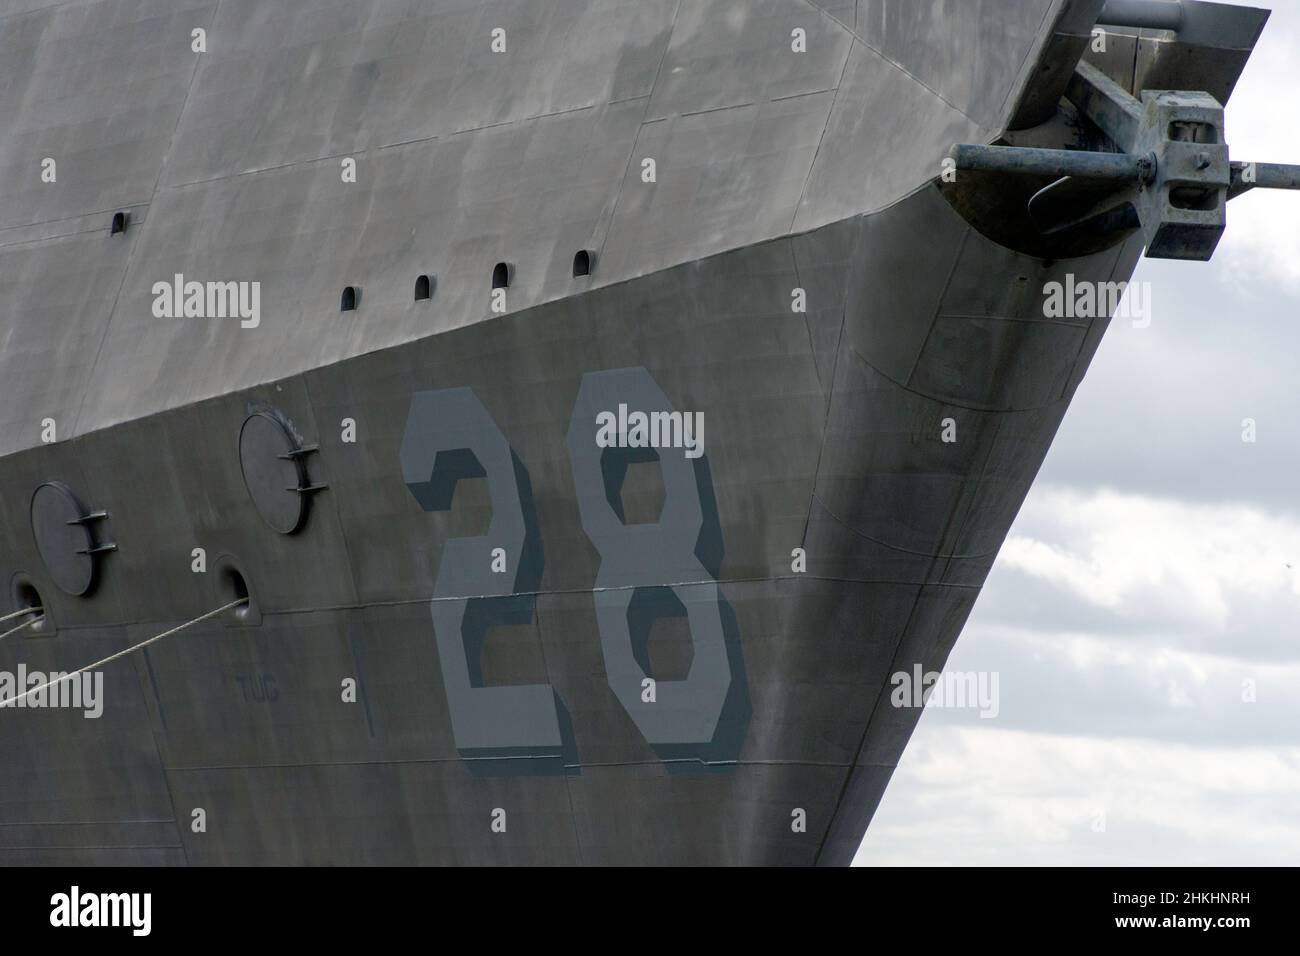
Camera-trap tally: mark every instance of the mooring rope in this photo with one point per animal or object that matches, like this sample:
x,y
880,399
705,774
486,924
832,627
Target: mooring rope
x,y
27,623
20,612
130,650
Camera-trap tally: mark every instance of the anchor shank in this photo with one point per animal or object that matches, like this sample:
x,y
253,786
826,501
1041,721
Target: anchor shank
x,y
1057,163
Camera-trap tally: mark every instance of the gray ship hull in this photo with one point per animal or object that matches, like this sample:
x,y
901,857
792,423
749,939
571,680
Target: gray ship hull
x,y
823,433
473,635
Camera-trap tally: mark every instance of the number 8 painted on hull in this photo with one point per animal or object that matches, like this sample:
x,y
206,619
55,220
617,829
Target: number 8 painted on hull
x,y
649,570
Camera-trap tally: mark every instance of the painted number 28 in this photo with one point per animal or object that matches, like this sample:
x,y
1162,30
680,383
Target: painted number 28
x,y
646,571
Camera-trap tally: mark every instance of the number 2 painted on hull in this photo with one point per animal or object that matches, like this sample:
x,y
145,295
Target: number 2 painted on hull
x,y
646,571
450,436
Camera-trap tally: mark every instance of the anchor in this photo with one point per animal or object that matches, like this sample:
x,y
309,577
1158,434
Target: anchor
x,y
1168,172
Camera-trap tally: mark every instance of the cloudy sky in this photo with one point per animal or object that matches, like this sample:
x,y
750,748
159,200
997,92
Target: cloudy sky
x,y
1151,580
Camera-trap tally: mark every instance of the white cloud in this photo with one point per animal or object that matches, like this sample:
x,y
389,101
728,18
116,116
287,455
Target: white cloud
x,y
1141,727
1121,685
1002,797
1263,241
1126,552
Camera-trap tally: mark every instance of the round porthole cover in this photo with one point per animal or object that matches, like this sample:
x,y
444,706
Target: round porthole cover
x,y
270,458
61,527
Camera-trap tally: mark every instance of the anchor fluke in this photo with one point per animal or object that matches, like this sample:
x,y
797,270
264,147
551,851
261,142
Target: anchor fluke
x,y
1167,173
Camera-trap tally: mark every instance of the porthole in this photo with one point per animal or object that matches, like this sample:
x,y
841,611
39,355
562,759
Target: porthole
x,y
26,595
582,263
232,586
